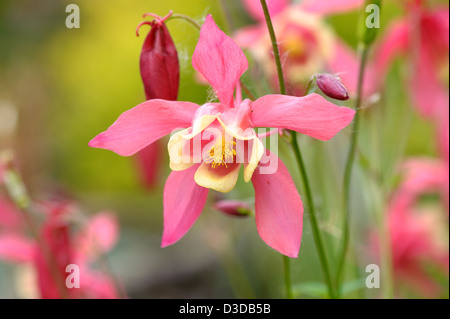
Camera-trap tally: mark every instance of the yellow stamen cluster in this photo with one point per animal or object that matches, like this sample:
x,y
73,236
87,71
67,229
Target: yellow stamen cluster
x,y
222,153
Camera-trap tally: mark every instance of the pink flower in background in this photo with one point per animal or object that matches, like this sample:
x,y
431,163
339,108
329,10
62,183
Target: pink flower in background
x,y
160,73
228,139
417,227
423,37
9,216
307,45
98,236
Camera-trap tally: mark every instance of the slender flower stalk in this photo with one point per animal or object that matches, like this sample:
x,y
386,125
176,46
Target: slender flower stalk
x,y
276,51
185,18
314,224
313,218
367,37
287,277
348,171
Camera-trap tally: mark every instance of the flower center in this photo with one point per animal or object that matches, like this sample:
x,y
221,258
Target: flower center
x,y
222,153
294,46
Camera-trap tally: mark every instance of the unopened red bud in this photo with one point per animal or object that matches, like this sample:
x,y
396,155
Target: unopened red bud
x,y
233,207
332,86
159,66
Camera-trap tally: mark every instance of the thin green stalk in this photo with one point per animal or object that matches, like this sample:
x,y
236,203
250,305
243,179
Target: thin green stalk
x,y
349,169
313,218
247,91
287,277
276,52
185,18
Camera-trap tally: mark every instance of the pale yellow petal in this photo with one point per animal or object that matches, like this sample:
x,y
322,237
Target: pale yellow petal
x,y
178,160
220,179
255,157
200,124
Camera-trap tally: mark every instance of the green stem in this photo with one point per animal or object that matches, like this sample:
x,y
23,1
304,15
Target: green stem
x,y
314,224
349,169
185,18
313,218
287,277
247,91
276,52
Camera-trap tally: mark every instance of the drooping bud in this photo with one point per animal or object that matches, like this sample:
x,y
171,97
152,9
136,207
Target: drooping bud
x,y
234,208
332,86
159,66
160,73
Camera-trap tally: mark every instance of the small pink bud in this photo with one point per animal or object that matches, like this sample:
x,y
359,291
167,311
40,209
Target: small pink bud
x,y
233,208
159,66
332,86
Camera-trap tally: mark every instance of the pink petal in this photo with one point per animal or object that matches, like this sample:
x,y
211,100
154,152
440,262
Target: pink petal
x,y
246,37
99,236
435,30
183,203
98,285
395,42
330,7
144,124
278,210
423,175
311,115
10,216
255,10
15,248
219,60
428,94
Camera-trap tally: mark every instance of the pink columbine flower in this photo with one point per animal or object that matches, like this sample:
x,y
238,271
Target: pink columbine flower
x,y
307,45
98,236
417,230
423,37
233,143
160,73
